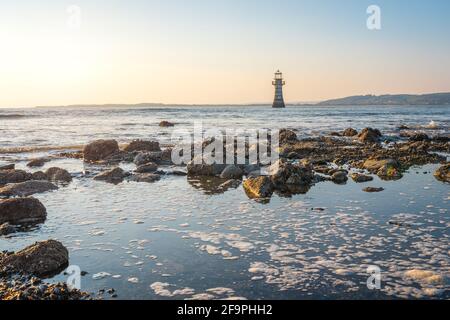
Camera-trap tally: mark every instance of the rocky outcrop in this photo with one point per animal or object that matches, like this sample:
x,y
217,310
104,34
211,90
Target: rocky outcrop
x,y
39,175
369,135
443,173
142,145
37,162
27,188
100,150
419,137
18,211
58,175
349,132
41,259
259,187
232,172
114,176
147,168
387,169
13,176
166,124
361,178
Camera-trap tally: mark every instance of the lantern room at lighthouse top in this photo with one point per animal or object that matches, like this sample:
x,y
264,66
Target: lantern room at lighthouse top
x,y
278,78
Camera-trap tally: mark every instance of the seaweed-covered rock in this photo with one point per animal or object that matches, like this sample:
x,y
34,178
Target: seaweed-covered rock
x,y
45,258
27,188
259,187
443,173
100,150
349,132
22,211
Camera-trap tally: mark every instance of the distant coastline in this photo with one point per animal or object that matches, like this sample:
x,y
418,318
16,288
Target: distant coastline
x,y
432,99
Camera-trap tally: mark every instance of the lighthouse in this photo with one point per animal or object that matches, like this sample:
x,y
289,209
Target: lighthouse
x,y
278,82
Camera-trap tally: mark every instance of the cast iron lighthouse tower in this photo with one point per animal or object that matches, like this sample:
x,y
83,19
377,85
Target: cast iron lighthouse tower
x,y
278,82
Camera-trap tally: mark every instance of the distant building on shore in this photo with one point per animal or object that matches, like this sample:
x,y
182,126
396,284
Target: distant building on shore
x,y
278,82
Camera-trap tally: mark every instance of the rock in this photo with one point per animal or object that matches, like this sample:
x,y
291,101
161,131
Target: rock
x,y
115,176
283,173
100,150
147,157
375,165
18,211
335,134
259,187
339,177
198,167
58,174
41,259
443,173
147,168
146,177
232,172
13,176
166,124
251,168
403,127
37,162
372,189
389,172
361,178
287,135
369,135
419,137
142,145
39,175
27,188
6,229
349,132
11,166
230,184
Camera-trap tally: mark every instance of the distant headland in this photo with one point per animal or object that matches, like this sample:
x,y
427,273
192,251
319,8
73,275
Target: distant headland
x,y
396,99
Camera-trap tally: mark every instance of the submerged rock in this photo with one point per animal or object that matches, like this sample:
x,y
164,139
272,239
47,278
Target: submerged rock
x,y
372,189
361,178
42,259
14,176
100,150
22,211
232,172
259,187
58,175
142,145
443,173
115,176
369,135
27,188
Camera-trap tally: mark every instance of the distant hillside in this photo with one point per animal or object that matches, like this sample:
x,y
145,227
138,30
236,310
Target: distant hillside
x,y
397,99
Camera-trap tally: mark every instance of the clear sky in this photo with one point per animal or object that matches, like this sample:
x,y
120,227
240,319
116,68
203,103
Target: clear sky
x,y
218,51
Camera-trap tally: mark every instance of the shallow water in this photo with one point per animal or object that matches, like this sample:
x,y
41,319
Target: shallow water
x,y
177,239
